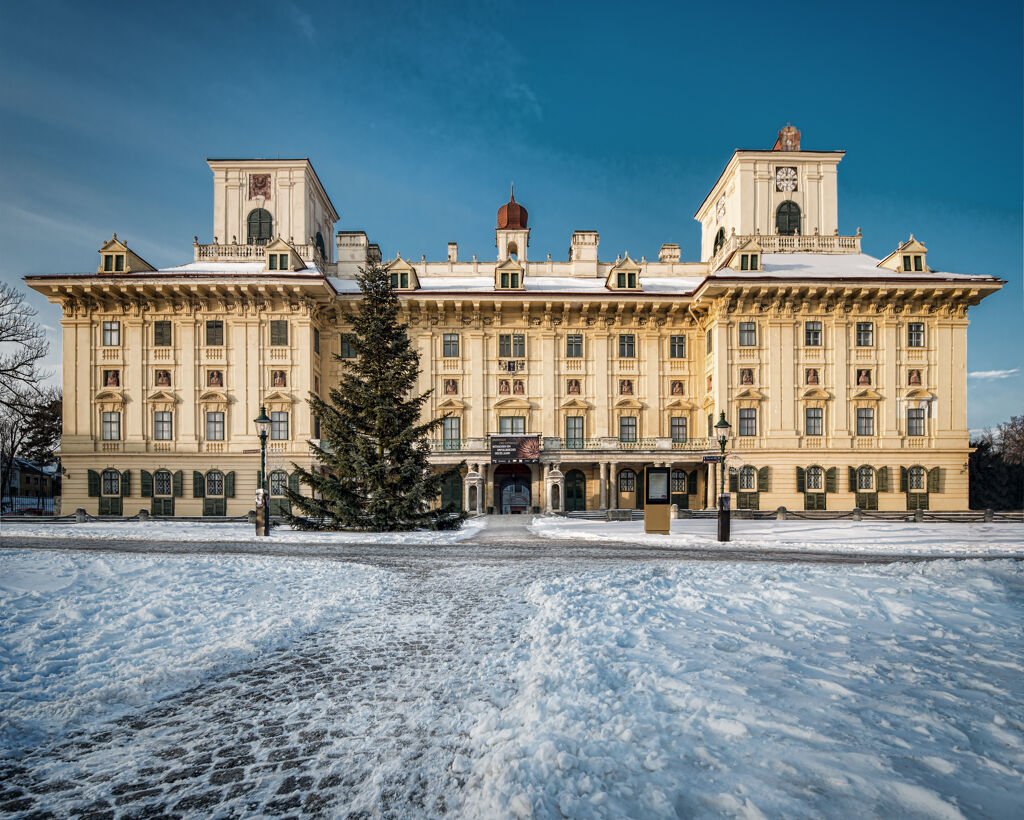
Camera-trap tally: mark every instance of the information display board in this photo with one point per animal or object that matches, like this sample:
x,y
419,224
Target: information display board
x,y
515,449
657,500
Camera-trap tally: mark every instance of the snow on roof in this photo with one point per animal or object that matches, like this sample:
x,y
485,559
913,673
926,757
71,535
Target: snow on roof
x,y
536,284
833,266
237,268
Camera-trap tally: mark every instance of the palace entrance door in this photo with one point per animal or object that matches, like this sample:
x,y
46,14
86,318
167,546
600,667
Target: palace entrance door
x,y
575,491
512,489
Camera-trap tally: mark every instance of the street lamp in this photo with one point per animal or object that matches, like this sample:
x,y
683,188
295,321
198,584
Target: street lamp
x,y
723,428
262,422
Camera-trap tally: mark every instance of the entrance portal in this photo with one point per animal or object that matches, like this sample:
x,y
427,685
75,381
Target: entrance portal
x,y
512,489
575,491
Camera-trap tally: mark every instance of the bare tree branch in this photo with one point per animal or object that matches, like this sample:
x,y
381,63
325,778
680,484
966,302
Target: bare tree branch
x,y
22,347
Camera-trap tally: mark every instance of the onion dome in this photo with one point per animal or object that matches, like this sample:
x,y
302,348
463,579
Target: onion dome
x,y
512,216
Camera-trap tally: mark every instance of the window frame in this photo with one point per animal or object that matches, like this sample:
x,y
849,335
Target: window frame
x,y
512,422
574,346
163,428
214,330
159,329
747,422
865,334
160,476
210,484
865,479
748,334
814,340
677,346
920,484
915,334
110,483
451,433
814,479
110,425
111,333
279,333
627,480
450,344
280,426
345,349
574,431
917,424
628,429
817,416
627,345
865,421
676,423
747,479
211,423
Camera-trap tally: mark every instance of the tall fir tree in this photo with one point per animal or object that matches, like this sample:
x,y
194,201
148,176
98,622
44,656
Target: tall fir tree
x,y
372,470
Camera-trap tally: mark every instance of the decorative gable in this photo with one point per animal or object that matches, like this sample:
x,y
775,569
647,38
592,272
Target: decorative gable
x,y
909,257
115,257
403,275
747,257
509,275
624,275
281,256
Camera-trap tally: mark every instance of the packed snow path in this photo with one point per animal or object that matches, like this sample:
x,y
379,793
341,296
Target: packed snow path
x,y
512,677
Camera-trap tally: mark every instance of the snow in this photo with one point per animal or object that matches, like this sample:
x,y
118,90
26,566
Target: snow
x,y
227,531
538,284
88,635
836,266
251,268
832,537
762,690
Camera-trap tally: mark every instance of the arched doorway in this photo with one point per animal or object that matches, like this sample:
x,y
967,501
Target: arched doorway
x,y
451,492
575,491
512,489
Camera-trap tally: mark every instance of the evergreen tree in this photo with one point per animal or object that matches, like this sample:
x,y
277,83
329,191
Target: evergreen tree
x,y
372,470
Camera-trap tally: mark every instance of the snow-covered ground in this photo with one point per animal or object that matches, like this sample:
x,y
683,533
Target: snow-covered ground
x,y
158,529
1005,539
87,636
511,688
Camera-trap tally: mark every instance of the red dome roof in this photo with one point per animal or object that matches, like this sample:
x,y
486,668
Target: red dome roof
x,y
512,216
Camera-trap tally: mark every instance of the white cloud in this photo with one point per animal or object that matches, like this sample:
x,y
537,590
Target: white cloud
x,y
302,21
993,374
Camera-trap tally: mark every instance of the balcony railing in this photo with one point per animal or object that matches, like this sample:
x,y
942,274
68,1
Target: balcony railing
x,y
449,444
775,243
555,443
559,444
236,252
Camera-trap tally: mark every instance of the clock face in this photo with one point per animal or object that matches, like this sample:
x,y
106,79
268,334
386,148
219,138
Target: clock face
x,y
720,210
785,179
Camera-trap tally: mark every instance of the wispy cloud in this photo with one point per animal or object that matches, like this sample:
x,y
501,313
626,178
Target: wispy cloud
x,y
993,374
302,21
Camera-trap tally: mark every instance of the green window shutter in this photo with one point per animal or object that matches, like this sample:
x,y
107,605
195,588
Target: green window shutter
x,y
734,482
147,484
764,480
126,483
801,483
691,483
882,479
293,482
831,481
904,483
198,485
851,479
94,484
229,484
178,477
935,480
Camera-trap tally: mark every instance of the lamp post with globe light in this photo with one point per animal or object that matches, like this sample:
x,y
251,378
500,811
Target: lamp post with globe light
x,y
723,428
262,422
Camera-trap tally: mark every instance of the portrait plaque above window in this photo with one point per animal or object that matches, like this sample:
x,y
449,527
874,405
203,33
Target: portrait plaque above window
x,y
259,186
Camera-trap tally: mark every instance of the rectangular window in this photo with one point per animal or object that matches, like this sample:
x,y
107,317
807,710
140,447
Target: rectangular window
x,y
709,342
215,333
906,262
627,428
814,421
450,343
678,428
753,261
162,428
111,334
316,427
812,334
161,483
711,425
215,426
451,433
574,346
108,262
918,263
574,431
112,426
161,334
627,346
748,334
865,421
511,425
278,332
748,422
272,261
512,345
814,478
865,334
677,347
915,421
915,334
111,482
279,426
346,350
316,341
745,261
119,263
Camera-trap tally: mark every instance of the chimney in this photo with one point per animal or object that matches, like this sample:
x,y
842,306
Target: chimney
x,y
669,253
453,251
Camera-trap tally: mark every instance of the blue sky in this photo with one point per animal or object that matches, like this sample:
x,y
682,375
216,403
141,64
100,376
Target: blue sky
x,y
616,117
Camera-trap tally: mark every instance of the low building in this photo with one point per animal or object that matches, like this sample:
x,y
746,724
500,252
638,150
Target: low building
x,y
843,375
28,488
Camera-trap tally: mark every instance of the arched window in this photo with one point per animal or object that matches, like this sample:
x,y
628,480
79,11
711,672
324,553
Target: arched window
x,y
111,482
161,482
260,225
320,244
513,251
214,483
865,478
815,476
719,239
278,482
678,481
748,478
787,218
916,478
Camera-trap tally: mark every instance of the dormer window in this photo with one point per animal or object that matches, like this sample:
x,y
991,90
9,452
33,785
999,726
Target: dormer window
x,y
749,261
113,262
400,280
626,280
278,261
509,279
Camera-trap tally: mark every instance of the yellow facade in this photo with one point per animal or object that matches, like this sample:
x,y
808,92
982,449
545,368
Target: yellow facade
x,y
819,355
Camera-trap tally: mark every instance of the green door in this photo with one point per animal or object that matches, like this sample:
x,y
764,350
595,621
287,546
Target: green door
x,y
575,491
451,492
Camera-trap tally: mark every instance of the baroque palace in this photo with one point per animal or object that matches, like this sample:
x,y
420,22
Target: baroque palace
x,y
843,375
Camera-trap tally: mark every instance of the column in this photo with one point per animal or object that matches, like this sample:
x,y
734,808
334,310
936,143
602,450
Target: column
x,y
613,486
603,468
545,505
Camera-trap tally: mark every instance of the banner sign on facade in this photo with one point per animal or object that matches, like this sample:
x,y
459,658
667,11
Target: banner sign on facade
x,y
515,449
